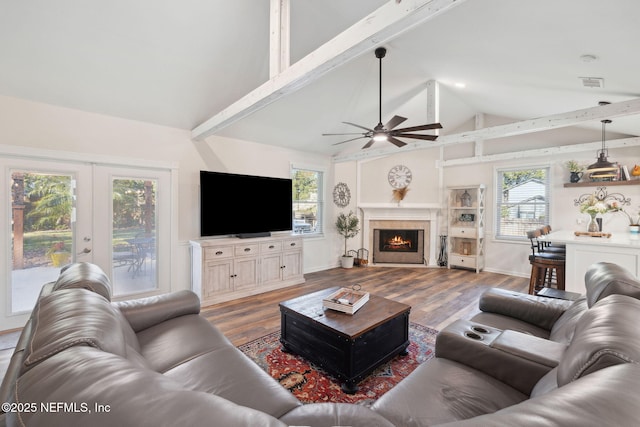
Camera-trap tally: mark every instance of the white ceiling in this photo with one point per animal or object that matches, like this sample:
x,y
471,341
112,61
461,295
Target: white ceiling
x,y
180,63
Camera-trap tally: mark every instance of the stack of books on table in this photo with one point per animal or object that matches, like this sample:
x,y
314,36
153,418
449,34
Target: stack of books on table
x,y
346,300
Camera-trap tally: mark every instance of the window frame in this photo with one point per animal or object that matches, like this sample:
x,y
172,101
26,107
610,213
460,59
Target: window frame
x,y
320,202
499,204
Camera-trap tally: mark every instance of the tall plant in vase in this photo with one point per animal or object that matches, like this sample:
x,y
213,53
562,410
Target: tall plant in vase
x,y
347,226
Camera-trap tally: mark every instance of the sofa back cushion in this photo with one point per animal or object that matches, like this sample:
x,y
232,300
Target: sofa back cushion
x,y
564,328
607,334
84,275
74,317
604,278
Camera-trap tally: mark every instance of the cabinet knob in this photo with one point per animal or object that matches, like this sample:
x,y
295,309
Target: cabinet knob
x,y
247,249
219,253
293,244
271,246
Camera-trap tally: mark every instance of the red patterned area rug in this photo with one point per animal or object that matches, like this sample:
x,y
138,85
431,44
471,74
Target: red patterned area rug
x,y
310,384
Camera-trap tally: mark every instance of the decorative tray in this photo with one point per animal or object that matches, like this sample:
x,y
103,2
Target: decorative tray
x,y
593,234
346,300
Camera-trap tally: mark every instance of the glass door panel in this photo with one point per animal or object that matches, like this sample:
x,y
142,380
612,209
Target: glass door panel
x,y
134,244
42,232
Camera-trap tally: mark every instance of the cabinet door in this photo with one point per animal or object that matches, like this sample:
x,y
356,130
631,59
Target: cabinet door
x,y
245,273
217,278
292,262
271,270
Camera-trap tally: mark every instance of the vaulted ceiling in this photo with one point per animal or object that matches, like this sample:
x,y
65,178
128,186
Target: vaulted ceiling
x,y
181,63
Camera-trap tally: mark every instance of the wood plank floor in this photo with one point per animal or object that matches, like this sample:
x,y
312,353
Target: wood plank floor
x,y
437,297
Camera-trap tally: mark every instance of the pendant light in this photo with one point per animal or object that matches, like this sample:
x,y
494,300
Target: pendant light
x,y
603,169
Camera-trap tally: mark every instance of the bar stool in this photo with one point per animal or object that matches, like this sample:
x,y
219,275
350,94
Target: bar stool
x,y
547,268
547,246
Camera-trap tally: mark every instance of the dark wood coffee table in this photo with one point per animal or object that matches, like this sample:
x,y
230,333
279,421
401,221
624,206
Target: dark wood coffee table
x,y
348,347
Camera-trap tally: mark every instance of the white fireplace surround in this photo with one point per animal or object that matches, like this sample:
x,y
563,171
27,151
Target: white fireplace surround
x,y
402,212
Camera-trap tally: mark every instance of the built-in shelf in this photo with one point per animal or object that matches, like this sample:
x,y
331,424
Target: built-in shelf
x,y
602,183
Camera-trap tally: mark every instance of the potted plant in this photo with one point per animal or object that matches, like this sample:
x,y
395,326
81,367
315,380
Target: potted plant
x,y
634,220
575,170
59,256
347,225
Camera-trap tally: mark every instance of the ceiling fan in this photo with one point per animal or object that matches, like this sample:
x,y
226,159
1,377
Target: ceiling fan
x,y
387,132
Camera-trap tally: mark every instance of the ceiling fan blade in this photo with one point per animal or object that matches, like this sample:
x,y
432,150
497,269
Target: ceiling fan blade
x,y
358,126
396,142
338,134
368,144
422,127
416,136
352,139
395,121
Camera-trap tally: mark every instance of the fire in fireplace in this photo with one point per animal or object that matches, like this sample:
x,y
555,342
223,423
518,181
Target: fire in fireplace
x,y
398,240
398,246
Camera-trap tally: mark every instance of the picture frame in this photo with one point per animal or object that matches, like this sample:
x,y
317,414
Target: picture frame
x,y
467,217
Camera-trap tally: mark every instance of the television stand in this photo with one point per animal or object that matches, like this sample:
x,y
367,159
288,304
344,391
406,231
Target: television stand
x,y
252,235
229,268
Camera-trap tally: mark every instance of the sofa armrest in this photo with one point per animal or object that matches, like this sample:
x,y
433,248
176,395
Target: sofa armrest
x,y
539,311
514,358
146,312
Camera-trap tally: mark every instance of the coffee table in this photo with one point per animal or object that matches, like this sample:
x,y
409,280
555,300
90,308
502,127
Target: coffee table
x,y
347,346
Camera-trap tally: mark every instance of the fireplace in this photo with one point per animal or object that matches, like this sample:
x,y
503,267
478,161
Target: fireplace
x,y
405,246
407,216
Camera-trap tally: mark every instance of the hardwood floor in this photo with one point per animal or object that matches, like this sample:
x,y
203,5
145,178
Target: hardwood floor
x,y
437,297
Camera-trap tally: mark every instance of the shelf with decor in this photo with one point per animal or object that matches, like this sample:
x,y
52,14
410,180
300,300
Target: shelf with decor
x,y
602,183
466,227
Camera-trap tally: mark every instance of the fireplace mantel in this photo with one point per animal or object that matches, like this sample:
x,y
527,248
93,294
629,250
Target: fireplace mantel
x,y
401,212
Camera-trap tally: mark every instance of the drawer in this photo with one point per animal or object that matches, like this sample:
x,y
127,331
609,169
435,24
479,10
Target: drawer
x,y
269,247
290,244
218,252
462,261
250,249
463,232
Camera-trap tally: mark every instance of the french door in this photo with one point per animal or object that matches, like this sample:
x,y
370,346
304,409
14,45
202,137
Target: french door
x,y
59,212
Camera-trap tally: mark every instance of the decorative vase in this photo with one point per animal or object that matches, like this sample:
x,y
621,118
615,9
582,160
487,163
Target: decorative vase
x,y
575,177
593,225
465,199
634,229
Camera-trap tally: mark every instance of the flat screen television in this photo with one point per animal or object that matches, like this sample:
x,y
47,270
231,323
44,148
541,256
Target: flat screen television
x,y
244,205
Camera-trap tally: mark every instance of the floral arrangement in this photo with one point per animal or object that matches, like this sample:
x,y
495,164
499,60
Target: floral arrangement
x,y
594,206
400,193
574,166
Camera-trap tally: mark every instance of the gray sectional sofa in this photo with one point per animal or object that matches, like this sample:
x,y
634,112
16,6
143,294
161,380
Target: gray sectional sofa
x,y
83,360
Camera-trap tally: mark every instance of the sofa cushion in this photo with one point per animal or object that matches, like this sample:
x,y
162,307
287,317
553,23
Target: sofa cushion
x,y
500,321
143,313
334,414
441,391
606,335
85,276
129,395
605,278
73,317
228,373
178,340
565,326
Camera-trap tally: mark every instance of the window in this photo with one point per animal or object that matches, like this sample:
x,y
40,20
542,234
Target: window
x,y
522,201
307,201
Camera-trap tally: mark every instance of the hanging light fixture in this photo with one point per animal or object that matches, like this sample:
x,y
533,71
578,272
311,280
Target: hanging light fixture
x,y
603,169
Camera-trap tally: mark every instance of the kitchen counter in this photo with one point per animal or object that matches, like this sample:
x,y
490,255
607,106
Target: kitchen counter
x,y
622,248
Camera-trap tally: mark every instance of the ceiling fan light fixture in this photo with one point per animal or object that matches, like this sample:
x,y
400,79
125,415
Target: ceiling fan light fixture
x,y
380,137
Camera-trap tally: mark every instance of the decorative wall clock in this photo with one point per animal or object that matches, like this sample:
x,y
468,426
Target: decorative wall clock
x,y
399,176
341,194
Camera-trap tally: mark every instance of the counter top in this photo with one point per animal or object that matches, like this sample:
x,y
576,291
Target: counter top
x,y
619,239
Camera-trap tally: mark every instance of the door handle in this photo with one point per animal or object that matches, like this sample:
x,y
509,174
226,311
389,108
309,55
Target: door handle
x,y
85,251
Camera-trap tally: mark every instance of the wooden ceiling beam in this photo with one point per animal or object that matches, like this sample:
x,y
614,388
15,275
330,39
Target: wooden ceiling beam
x,y
382,25
600,112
